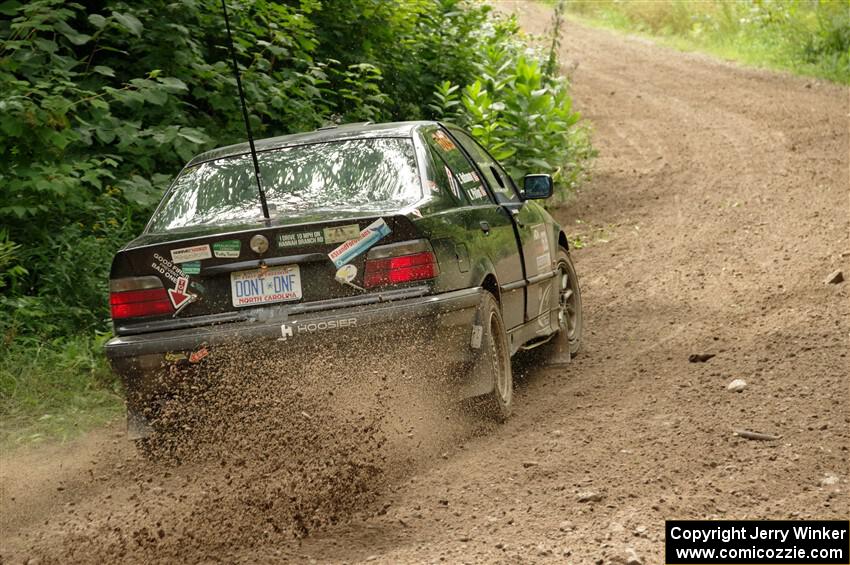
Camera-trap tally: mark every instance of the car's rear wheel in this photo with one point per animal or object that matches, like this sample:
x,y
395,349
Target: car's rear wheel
x,y
570,318
495,360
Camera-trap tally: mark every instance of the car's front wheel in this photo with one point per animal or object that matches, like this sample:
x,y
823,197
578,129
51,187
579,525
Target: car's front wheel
x,y
569,301
495,359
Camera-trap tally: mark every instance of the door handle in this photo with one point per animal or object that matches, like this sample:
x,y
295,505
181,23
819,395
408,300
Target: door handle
x,y
485,227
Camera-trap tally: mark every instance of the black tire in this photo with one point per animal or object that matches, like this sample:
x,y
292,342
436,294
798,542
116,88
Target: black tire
x,y
569,301
495,359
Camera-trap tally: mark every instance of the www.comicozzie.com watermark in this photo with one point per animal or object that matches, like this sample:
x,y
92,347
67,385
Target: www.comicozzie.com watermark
x,y
813,542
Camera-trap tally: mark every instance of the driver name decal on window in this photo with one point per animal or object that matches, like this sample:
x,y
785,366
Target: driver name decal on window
x,y
471,183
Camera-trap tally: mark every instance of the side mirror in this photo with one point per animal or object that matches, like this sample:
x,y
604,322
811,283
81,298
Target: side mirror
x,y
537,187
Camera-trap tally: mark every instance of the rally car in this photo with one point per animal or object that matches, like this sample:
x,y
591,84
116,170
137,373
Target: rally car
x,y
363,229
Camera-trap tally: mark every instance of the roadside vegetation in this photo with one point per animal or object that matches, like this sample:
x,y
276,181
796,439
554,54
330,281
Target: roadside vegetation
x,y
808,37
100,105
55,389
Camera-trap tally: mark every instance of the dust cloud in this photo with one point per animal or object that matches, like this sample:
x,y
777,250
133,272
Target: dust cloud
x,y
255,448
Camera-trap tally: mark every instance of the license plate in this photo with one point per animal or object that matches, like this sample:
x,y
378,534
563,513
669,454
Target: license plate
x,y
265,286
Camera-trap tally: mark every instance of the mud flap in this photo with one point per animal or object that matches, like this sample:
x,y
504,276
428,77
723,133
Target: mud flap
x,y
138,426
560,350
477,384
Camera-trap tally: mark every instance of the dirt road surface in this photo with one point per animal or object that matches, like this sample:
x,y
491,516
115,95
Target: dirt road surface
x,y
718,205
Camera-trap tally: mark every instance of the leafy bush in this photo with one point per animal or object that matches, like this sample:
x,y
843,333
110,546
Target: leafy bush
x,y
804,36
519,111
54,389
100,104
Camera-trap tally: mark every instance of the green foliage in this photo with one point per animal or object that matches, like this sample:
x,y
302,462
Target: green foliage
x,y
10,269
54,389
520,109
805,36
555,39
100,104
446,102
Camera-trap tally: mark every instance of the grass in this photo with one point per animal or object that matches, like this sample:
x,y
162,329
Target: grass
x,y
55,390
802,36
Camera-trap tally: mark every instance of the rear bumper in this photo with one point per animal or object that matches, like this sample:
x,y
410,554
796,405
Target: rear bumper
x,y
146,362
448,310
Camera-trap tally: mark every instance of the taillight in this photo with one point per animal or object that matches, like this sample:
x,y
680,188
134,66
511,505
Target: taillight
x,y
400,263
138,297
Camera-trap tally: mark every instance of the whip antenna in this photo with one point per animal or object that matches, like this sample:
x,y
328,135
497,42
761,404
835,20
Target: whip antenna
x,y
263,203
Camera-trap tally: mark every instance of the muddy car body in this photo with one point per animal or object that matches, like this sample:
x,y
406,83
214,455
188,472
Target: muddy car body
x,y
391,231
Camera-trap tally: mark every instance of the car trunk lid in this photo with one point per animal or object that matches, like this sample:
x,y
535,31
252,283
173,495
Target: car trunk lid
x,y
222,275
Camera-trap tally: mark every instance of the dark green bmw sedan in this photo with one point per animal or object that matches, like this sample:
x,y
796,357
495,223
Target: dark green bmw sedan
x,y
365,229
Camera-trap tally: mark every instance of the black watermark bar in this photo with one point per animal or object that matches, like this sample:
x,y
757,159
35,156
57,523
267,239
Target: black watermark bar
x,y
765,542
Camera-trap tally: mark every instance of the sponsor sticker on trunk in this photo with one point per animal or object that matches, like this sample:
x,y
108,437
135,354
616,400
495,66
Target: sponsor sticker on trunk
x,y
346,273
366,239
191,267
178,295
194,253
299,239
338,234
166,268
228,249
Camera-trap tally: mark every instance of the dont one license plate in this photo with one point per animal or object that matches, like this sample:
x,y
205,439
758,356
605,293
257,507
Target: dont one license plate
x,y
265,286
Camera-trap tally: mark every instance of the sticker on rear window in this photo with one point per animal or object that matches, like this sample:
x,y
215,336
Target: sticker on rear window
x,y
298,239
191,267
228,249
366,239
443,140
194,253
338,234
453,182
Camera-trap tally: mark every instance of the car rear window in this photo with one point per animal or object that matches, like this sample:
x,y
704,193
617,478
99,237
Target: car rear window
x,y
357,174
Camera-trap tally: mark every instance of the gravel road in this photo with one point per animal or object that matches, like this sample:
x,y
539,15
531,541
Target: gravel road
x,y
718,206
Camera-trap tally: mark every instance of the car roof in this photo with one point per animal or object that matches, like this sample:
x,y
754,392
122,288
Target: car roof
x,y
321,135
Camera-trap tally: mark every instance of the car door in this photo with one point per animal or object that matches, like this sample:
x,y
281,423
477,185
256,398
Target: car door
x,y
530,223
488,228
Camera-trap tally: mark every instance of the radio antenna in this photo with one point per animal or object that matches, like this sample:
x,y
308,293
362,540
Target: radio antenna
x,y
263,203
